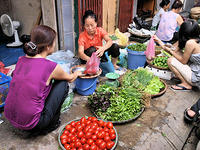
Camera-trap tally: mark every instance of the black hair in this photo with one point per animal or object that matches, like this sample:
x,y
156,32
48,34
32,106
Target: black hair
x,y
177,4
41,37
164,3
188,30
89,13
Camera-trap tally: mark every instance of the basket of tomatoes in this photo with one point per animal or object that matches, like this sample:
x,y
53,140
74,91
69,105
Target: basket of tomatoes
x,y
88,134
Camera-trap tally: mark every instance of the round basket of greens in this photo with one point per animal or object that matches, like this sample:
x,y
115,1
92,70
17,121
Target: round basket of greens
x,y
116,104
159,62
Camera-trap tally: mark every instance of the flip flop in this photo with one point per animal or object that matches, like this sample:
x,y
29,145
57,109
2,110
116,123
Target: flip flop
x,y
188,119
182,88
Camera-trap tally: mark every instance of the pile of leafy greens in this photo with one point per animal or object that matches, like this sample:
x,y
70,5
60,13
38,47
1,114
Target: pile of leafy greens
x,y
124,102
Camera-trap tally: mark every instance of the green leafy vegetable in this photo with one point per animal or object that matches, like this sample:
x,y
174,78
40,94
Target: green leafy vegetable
x,y
137,47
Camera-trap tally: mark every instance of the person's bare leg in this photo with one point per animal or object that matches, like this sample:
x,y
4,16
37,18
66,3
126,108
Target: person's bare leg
x,y
184,83
114,62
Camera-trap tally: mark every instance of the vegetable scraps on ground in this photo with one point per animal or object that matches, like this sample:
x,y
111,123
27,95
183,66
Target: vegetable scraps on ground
x,y
124,102
88,134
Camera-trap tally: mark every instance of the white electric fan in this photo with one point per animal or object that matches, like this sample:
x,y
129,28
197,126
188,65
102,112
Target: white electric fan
x,y
9,28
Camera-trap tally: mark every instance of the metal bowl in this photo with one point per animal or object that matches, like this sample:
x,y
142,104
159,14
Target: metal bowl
x,y
62,128
80,68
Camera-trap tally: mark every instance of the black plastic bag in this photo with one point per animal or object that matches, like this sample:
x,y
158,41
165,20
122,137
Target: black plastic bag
x,y
140,23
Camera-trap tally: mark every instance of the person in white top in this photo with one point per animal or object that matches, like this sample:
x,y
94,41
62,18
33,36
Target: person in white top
x,y
165,4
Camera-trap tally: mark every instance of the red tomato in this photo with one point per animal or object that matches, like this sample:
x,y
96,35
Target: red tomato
x,y
67,146
110,144
89,118
99,141
70,135
111,131
80,134
78,144
73,130
73,148
94,119
78,140
88,122
94,137
79,128
64,141
86,129
83,120
88,135
66,132
106,134
100,135
105,124
69,140
73,123
83,140
101,123
91,130
112,136
96,132
72,145
63,136
86,146
95,124
102,145
110,125
103,133
106,129
73,138
90,141
93,127
78,123
93,147
68,127
106,138
83,125
80,148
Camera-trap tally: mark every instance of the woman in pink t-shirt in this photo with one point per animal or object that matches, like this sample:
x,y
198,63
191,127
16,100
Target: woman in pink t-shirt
x,y
34,102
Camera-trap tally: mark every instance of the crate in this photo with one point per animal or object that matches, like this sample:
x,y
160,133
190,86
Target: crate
x,y
164,74
4,86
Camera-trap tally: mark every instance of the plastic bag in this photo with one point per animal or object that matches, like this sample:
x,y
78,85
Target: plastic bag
x,y
92,66
150,51
140,23
123,39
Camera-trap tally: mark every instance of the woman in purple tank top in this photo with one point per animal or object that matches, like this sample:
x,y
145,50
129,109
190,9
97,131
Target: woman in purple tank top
x,y
34,102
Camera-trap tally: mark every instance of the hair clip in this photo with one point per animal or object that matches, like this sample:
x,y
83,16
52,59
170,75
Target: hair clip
x,y
32,45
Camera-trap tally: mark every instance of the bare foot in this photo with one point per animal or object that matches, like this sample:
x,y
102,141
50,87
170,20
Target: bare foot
x,y
116,67
191,113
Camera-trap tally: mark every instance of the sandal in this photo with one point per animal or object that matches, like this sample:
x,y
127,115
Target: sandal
x,y
188,119
181,88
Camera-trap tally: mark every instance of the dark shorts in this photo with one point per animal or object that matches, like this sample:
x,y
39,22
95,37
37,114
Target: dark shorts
x,y
113,51
174,39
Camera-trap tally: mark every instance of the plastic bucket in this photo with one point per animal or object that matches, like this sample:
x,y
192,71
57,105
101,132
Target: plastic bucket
x,y
106,67
86,86
136,59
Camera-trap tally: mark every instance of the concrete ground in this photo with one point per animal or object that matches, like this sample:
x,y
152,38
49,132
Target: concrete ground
x,y
160,127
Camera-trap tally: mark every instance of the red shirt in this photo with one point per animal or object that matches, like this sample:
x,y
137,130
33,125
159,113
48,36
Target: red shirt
x,y
86,41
